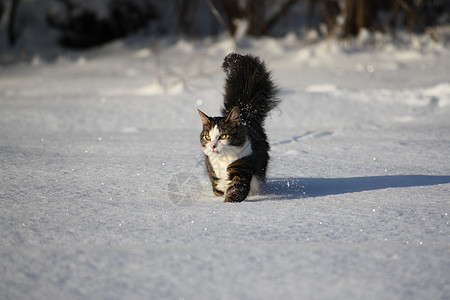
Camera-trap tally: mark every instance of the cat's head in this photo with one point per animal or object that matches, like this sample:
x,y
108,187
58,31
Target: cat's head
x,y
222,134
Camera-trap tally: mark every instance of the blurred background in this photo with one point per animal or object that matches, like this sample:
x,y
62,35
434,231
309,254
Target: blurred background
x,y
27,26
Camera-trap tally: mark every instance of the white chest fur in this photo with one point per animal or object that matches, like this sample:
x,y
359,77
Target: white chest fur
x,y
221,160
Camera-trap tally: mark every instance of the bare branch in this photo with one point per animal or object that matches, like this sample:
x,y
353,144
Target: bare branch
x,y
406,7
219,18
280,13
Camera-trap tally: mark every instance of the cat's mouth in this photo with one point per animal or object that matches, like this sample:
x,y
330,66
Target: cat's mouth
x,y
209,150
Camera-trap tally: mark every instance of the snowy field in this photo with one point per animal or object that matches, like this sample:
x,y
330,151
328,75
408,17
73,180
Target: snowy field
x,y
356,205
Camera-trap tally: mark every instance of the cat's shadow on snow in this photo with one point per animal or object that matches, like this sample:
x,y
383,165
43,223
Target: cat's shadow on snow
x,y
297,188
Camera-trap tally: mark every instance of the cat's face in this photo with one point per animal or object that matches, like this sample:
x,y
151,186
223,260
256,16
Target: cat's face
x,y
221,135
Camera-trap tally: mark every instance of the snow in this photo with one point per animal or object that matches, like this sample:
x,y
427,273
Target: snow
x,y
103,193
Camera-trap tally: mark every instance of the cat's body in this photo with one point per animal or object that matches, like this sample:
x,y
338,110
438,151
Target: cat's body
x,y
235,145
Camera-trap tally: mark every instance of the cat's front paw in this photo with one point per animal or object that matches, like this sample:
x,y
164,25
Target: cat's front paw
x,y
217,192
234,197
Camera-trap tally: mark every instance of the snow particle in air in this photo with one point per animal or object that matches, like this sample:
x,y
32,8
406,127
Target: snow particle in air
x,y
81,61
199,102
36,61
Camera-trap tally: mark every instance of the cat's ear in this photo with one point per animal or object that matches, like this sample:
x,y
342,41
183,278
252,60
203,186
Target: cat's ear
x,y
204,117
234,116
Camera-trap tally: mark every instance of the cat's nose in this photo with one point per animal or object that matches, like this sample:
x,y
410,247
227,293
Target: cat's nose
x,y
214,145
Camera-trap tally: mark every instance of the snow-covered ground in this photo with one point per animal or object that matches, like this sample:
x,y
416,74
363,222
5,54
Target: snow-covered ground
x,y
356,205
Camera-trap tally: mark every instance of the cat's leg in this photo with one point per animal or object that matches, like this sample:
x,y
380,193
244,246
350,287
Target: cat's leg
x,y
217,192
240,173
238,190
213,178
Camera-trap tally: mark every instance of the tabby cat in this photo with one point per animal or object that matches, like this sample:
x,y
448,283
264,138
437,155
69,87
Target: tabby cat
x,y
235,145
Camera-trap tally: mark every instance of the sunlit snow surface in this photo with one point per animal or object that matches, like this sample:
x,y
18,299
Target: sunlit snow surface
x,y
95,147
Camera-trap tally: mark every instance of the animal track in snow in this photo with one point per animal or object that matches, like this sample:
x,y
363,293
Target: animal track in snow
x,y
303,136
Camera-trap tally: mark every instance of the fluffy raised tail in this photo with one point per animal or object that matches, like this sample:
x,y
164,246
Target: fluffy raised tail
x,y
249,87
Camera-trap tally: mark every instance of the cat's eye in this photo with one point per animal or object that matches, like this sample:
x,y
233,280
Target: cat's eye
x,y
207,137
224,136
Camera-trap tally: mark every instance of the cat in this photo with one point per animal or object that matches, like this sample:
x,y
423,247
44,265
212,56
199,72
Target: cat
x,y
235,145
